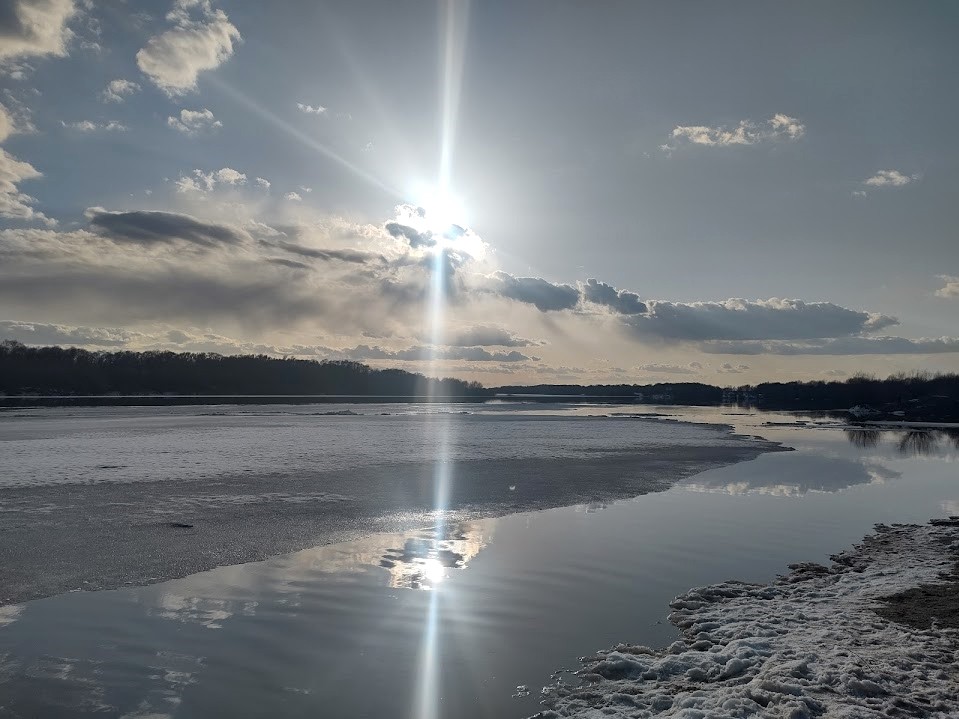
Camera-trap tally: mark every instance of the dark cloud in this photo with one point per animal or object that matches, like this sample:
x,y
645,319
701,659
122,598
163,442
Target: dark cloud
x,y
734,319
621,301
283,262
354,256
416,239
837,346
544,295
738,319
423,352
489,335
152,227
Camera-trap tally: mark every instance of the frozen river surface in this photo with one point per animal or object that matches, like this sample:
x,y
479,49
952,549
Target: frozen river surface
x,y
347,630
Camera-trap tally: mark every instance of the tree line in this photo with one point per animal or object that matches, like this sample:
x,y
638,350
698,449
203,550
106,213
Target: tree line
x,y
72,371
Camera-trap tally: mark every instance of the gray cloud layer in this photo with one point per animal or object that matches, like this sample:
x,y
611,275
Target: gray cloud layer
x,y
621,301
151,227
837,346
544,295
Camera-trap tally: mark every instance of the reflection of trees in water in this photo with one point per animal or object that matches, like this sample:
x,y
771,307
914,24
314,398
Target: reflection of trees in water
x,y
863,438
912,443
918,442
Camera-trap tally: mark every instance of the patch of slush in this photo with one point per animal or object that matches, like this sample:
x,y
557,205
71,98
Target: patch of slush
x,y
807,645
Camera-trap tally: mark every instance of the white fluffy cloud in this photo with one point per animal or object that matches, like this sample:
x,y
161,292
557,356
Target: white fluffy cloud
x,y
35,27
263,182
889,178
779,127
193,122
14,204
293,196
90,126
311,109
201,39
203,182
118,90
950,289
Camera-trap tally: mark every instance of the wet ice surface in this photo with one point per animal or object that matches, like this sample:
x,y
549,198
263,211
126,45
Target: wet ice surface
x,y
53,446
809,644
512,599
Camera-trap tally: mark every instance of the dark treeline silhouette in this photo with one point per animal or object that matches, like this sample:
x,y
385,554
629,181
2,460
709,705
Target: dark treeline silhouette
x,y
69,371
915,396
919,396
692,393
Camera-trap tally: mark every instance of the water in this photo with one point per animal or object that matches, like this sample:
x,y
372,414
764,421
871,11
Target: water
x,y
366,628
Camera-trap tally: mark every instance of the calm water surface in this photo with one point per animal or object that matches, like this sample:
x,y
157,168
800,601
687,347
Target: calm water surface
x,y
473,624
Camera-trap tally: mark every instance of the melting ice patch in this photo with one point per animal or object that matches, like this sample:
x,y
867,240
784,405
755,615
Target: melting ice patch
x,y
810,644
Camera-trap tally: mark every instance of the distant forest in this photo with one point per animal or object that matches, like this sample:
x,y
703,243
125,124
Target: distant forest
x,y
919,396
68,371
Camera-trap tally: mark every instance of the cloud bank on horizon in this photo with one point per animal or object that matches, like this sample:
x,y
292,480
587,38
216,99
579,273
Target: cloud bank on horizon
x,y
184,178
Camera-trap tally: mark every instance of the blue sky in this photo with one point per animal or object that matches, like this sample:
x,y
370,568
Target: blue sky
x,y
727,192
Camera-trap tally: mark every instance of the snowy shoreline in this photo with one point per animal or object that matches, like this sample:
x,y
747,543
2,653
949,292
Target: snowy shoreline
x,y
820,641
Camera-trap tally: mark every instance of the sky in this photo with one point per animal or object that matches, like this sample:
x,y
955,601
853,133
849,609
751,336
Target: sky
x,y
515,193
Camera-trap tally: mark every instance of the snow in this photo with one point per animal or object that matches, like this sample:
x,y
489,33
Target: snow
x,y
807,645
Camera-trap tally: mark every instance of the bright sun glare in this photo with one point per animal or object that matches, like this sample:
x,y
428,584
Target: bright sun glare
x,y
442,208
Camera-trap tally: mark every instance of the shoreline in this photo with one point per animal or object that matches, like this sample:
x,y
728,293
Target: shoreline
x,y
874,635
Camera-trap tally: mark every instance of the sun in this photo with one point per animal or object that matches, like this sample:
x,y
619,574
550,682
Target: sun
x,y
442,209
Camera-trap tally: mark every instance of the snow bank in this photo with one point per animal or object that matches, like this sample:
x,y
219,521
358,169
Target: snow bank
x,y
810,644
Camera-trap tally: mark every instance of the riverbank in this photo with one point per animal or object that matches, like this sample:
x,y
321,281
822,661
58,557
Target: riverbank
x,y
873,635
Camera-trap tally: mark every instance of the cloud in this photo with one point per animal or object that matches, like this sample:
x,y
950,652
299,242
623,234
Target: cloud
x,y
544,295
261,182
201,39
204,182
889,178
293,196
140,266
740,319
151,227
193,122
39,333
118,90
837,346
311,109
414,237
342,255
727,368
779,127
32,28
419,353
90,126
489,336
14,204
950,289
621,301
691,368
